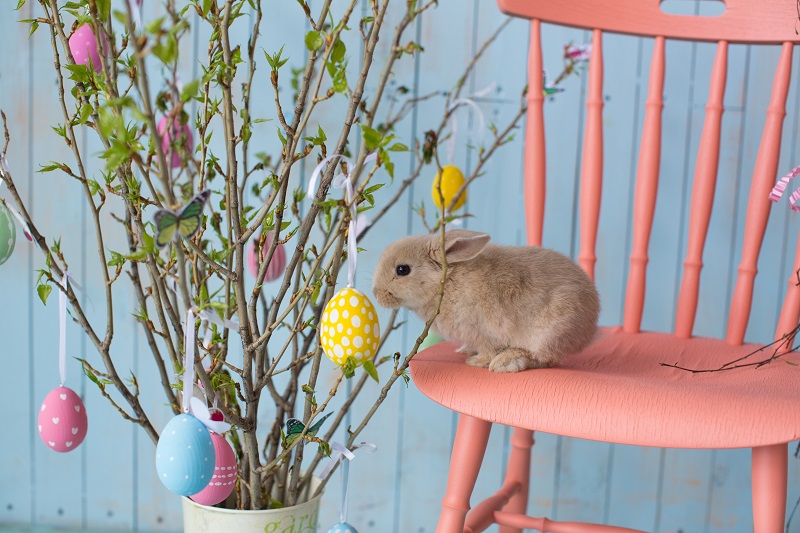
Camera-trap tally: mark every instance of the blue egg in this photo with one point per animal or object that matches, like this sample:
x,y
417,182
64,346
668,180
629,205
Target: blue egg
x,y
342,527
185,457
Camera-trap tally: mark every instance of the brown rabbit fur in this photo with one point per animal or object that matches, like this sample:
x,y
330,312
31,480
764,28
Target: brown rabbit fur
x,y
511,307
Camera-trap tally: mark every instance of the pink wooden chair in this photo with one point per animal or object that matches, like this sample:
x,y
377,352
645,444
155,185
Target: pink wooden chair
x,y
616,391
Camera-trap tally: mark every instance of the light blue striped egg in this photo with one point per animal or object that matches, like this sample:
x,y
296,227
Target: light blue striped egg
x,y
342,527
185,456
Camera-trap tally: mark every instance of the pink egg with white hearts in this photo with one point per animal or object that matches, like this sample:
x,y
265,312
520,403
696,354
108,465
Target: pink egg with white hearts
x,y
83,45
225,471
277,264
62,420
179,136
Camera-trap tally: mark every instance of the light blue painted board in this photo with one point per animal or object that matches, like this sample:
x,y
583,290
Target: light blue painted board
x,y
634,486
16,495
58,496
684,491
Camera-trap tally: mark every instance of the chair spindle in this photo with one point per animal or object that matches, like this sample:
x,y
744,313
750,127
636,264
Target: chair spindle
x,y
758,204
591,186
534,165
646,188
790,311
705,181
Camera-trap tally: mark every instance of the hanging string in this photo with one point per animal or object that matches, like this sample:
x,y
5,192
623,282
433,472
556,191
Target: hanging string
x,y
188,363
343,181
338,453
453,120
62,328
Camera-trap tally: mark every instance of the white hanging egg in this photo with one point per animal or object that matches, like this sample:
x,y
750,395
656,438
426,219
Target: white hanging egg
x,y
349,327
62,420
185,455
225,470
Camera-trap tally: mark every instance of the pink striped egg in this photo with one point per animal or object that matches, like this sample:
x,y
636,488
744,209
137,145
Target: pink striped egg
x,y
179,136
277,264
83,45
225,470
62,420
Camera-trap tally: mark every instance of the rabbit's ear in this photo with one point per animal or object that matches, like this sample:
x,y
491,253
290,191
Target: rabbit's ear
x,y
461,245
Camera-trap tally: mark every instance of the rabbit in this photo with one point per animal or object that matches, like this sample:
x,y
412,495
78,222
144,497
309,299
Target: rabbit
x,y
511,307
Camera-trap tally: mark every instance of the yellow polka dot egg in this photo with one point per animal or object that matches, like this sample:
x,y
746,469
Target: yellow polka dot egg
x,y
349,327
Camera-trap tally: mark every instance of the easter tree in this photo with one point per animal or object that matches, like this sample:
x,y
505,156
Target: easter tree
x,y
211,206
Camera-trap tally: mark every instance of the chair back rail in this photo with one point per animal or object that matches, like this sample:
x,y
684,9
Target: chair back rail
x,y
758,204
592,163
744,21
705,181
644,203
644,17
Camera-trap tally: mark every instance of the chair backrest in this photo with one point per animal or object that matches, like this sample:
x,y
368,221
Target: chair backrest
x,y
743,21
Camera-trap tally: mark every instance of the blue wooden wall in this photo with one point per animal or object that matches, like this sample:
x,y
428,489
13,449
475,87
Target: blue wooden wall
x,y
110,482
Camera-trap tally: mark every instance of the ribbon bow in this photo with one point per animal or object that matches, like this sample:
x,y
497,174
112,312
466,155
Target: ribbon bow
x,y
780,187
453,120
338,453
343,181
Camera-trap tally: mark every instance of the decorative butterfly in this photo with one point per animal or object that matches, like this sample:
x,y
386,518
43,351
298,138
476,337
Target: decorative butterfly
x,y
171,224
551,90
295,427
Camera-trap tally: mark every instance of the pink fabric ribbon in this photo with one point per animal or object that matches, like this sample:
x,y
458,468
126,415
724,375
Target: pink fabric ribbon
x,y
780,187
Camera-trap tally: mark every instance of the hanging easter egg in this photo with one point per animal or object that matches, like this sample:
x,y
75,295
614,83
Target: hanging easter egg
x,y
349,327
8,234
224,478
277,265
452,179
342,527
62,420
185,456
176,141
83,45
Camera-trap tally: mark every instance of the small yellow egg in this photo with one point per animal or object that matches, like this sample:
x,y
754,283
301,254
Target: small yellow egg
x,y
452,180
349,327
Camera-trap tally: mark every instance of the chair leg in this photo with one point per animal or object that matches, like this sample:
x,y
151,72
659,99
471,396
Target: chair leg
x,y
518,472
465,464
770,464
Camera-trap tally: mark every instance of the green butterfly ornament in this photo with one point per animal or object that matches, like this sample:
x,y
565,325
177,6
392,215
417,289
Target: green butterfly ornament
x,y
295,427
180,224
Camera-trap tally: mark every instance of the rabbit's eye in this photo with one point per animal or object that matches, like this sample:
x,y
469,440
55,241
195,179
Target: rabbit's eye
x,y
403,270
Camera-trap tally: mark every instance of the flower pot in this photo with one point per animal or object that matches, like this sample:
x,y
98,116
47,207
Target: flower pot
x,y
301,518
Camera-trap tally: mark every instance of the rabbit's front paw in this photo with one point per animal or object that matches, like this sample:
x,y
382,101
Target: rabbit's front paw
x,y
481,360
514,360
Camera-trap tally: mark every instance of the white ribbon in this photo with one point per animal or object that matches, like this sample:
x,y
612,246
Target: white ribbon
x,y
201,411
62,328
338,453
343,181
188,362
453,120
4,171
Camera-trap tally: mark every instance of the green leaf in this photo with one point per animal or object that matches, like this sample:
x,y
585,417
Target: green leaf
x,y
189,90
349,367
44,291
207,7
369,366
103,9
372,137
79,73
339,49
314,40
167,49
19,5
398,147
49,168
117,259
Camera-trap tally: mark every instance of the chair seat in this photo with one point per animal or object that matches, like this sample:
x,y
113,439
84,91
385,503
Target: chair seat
x,y
617,391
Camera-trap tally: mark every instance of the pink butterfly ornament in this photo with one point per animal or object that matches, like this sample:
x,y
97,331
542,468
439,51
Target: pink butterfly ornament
x,y
780,188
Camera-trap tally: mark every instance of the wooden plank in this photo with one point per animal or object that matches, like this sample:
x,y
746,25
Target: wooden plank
x,y
17,504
